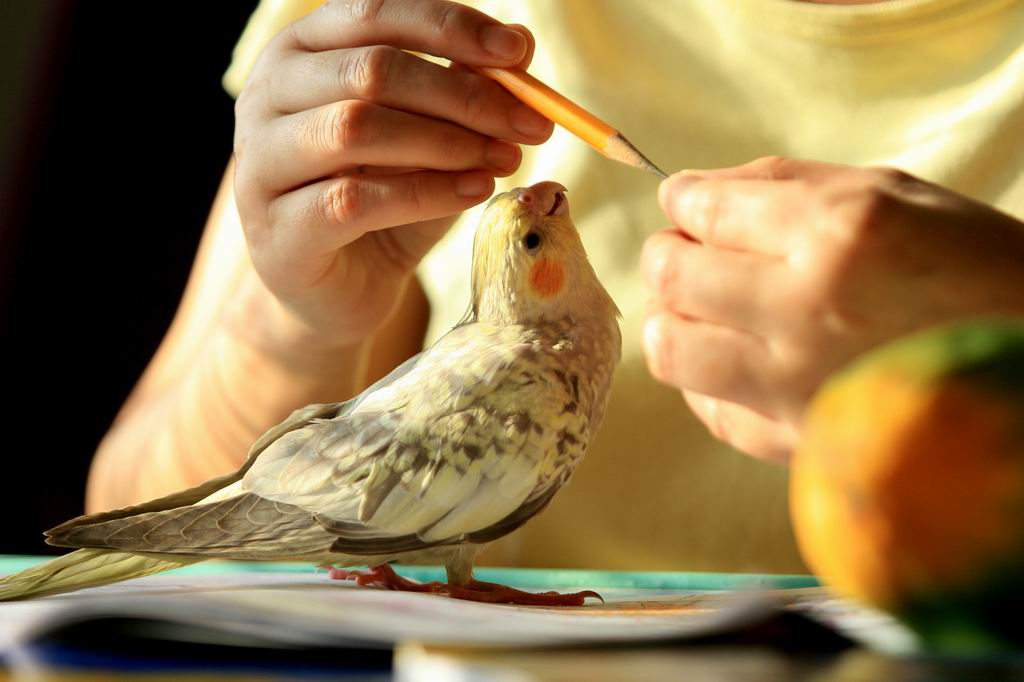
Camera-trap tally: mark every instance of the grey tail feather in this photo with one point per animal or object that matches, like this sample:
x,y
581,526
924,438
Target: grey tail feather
x,y
85,568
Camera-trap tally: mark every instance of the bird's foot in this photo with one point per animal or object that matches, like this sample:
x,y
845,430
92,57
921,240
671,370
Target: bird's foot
x,y
384,577
494,593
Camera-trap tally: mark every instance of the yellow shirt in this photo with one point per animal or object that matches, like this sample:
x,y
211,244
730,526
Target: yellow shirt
x,y
935,87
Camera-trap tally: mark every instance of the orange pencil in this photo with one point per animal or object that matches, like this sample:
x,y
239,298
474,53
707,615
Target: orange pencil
x,y
570,116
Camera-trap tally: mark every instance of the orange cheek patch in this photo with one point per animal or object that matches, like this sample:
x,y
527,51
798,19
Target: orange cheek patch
x,y
547,277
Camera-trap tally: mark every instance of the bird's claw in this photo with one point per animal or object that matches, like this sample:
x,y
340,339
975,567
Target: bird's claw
x,y
384,577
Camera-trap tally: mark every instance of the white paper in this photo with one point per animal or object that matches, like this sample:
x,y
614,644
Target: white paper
x,y
310,609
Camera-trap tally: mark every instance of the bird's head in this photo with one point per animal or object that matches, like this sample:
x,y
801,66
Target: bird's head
x,y
529,264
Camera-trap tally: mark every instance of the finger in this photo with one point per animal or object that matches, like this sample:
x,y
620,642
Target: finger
x,y
744,429
341,137
531,48
437,27
707,358
316,220
744,215
531,45
771,168
396,79
706,283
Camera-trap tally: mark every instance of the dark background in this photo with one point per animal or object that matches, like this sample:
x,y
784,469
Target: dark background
x,y
114,134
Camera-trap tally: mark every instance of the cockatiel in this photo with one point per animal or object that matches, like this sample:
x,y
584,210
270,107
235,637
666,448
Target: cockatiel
x,y
457,447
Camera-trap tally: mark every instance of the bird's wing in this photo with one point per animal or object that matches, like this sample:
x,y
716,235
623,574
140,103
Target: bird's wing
x,y
460,448
183,498
453,446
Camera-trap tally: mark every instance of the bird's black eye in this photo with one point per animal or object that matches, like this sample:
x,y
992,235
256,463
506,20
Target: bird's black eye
x,y
531,241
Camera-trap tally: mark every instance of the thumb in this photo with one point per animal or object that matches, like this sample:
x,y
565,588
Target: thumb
x,y
767,169
764,168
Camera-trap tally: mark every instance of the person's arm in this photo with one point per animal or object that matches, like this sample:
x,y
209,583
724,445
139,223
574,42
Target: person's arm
x,y
781,271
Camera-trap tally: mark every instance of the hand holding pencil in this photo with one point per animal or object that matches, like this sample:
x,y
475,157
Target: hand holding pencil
x,y
354,154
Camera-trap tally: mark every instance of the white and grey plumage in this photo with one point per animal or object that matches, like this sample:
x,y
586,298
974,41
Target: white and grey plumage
x,y
458,446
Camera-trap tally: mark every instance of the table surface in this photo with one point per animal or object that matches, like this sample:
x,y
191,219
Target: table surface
x,y
730,660
519,577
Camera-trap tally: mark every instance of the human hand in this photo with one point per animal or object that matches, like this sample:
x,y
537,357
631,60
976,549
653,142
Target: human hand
x,y
780,271
353,156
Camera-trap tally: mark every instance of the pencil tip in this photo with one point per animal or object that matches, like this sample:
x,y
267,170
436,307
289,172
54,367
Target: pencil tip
x,y
621,149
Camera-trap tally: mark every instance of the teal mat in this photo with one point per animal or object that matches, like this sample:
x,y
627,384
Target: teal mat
x,y
519,577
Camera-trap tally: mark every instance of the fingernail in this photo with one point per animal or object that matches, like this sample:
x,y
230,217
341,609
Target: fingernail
x,y
503,42
476,184
657,348
528,122
502,155
677,182
685,178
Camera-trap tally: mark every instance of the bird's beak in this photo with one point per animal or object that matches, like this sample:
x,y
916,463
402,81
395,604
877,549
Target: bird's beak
x,y
543,199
